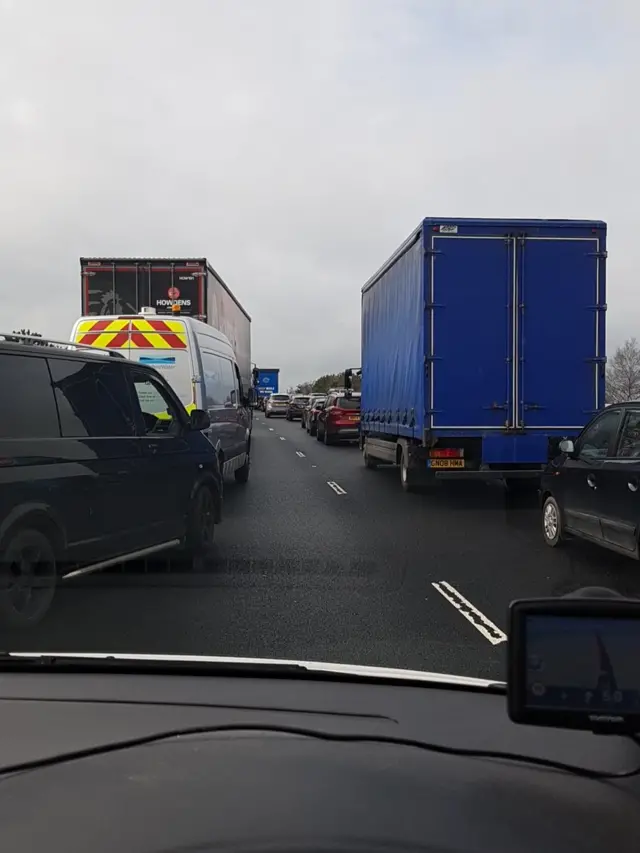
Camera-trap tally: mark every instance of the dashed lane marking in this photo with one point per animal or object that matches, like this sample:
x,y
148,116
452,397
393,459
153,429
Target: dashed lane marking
x,y
300,454
336,488
480,622
282,438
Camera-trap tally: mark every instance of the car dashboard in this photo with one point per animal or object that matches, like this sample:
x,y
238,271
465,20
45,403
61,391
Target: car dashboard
x,y
287,763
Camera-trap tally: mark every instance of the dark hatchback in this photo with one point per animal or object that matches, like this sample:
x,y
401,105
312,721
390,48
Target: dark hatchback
x,y
296,406
90,476
339,420
592,490
311,412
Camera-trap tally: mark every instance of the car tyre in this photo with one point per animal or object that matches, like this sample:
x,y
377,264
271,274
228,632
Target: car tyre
x,y
328,440
242,474
406,478
201,521
552,523
318,434
28,576
369,461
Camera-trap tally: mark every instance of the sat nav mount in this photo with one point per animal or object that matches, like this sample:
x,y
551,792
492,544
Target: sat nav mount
x,y
574,662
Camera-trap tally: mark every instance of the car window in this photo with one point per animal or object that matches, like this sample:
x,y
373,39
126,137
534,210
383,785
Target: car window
x,y
28,404
158,410
596,439
629,445
219,379
351,403
93,399
280,398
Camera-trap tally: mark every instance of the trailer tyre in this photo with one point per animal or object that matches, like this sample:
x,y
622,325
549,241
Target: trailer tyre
x,y
369,461
552,524
406,479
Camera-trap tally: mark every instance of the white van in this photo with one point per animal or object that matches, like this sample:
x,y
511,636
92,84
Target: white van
x,y
196,360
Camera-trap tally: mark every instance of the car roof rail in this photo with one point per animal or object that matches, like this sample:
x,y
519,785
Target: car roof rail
x,y
36,340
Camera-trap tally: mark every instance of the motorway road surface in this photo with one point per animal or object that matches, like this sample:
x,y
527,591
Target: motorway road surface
x,y
321,559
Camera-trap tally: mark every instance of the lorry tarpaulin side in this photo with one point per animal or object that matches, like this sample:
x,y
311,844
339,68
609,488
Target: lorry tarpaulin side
x,y
512,340
268,381
225,313
393,346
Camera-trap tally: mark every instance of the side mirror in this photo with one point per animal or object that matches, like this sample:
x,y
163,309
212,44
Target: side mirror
x,y
199,420
567,446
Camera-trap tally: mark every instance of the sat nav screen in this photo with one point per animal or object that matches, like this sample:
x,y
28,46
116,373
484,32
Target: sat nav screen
x,y
583,664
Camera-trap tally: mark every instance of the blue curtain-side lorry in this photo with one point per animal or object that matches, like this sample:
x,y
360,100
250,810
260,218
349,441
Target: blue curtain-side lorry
x,y
483,345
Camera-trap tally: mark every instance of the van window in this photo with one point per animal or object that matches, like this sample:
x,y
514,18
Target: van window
x,y
93,399
174,365
158,410
28,404
219,379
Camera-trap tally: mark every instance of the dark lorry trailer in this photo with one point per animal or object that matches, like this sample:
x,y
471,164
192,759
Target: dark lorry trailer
x,y
483,345
126,285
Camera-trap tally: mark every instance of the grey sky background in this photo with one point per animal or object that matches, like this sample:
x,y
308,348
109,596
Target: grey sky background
x,y
297,143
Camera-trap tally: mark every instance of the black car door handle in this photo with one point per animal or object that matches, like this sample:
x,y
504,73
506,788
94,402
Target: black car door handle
x,y
591,481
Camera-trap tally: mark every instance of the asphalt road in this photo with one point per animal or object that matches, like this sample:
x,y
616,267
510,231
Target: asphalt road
x,y
354,572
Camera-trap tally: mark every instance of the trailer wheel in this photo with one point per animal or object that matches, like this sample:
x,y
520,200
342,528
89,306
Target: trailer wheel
x,y
406,479
369,461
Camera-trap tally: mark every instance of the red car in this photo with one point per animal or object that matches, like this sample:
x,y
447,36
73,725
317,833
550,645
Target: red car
x,y
340,419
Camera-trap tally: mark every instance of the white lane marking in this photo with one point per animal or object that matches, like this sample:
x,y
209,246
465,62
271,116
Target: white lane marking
x,y
282,438
300,454
480,622
336,488
270,429
314,466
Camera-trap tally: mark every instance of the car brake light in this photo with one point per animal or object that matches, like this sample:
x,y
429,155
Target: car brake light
x,y
447,453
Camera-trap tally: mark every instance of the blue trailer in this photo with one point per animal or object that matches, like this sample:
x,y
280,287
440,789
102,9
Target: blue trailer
x,y
267,381
483,345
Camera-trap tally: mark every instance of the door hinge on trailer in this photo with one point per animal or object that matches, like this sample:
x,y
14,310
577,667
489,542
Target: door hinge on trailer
x,y
532,407
597,307
601,255
429,306
432,252
597,359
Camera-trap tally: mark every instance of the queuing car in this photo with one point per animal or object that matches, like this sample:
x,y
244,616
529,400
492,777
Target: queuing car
x,y
339,420
86,459
276,404
296,406
592,490
310,414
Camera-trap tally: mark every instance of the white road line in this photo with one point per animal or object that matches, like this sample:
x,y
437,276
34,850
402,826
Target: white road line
x,y
480,622
270,429
282,438
300,454
336,488
314,466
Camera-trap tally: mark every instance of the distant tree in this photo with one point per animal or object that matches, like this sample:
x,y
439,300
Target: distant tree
x,y
623,373
328,380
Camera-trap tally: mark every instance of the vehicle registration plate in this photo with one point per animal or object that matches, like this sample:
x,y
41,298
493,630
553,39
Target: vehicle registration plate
x,y
445,463
354,418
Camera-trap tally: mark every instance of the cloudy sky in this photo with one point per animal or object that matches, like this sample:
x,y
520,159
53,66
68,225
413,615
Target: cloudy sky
x,y
295,143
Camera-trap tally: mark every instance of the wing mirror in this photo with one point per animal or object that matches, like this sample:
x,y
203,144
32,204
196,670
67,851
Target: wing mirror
x,y
199,420
567,446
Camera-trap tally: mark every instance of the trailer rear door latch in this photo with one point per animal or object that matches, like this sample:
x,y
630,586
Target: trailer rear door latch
x,y
494,407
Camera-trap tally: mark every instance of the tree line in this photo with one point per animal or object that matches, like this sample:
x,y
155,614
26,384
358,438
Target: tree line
x,y
322,384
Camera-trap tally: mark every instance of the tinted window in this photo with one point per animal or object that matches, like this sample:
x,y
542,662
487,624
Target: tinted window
x,y
218,379
629,447
158,411
301,400
349,403
93,399
595,441
28,405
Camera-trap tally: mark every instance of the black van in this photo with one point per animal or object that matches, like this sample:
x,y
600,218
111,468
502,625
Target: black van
x,y
89,476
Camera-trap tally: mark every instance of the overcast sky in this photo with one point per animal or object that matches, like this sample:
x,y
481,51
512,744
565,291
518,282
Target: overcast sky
x,y
296,143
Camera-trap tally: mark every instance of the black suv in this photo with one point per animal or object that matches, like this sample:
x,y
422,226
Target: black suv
x,y
592,490
99,464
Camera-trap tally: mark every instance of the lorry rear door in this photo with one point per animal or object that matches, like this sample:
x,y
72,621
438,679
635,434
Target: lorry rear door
x,y
559,294
469,299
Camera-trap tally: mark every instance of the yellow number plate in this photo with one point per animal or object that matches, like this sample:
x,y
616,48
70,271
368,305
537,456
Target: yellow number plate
x,y
446,463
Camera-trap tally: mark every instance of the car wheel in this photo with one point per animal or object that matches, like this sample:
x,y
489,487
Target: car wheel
x,y
28,575
301,424
318,434
267,415
552,526
201,522
242,474
327,438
